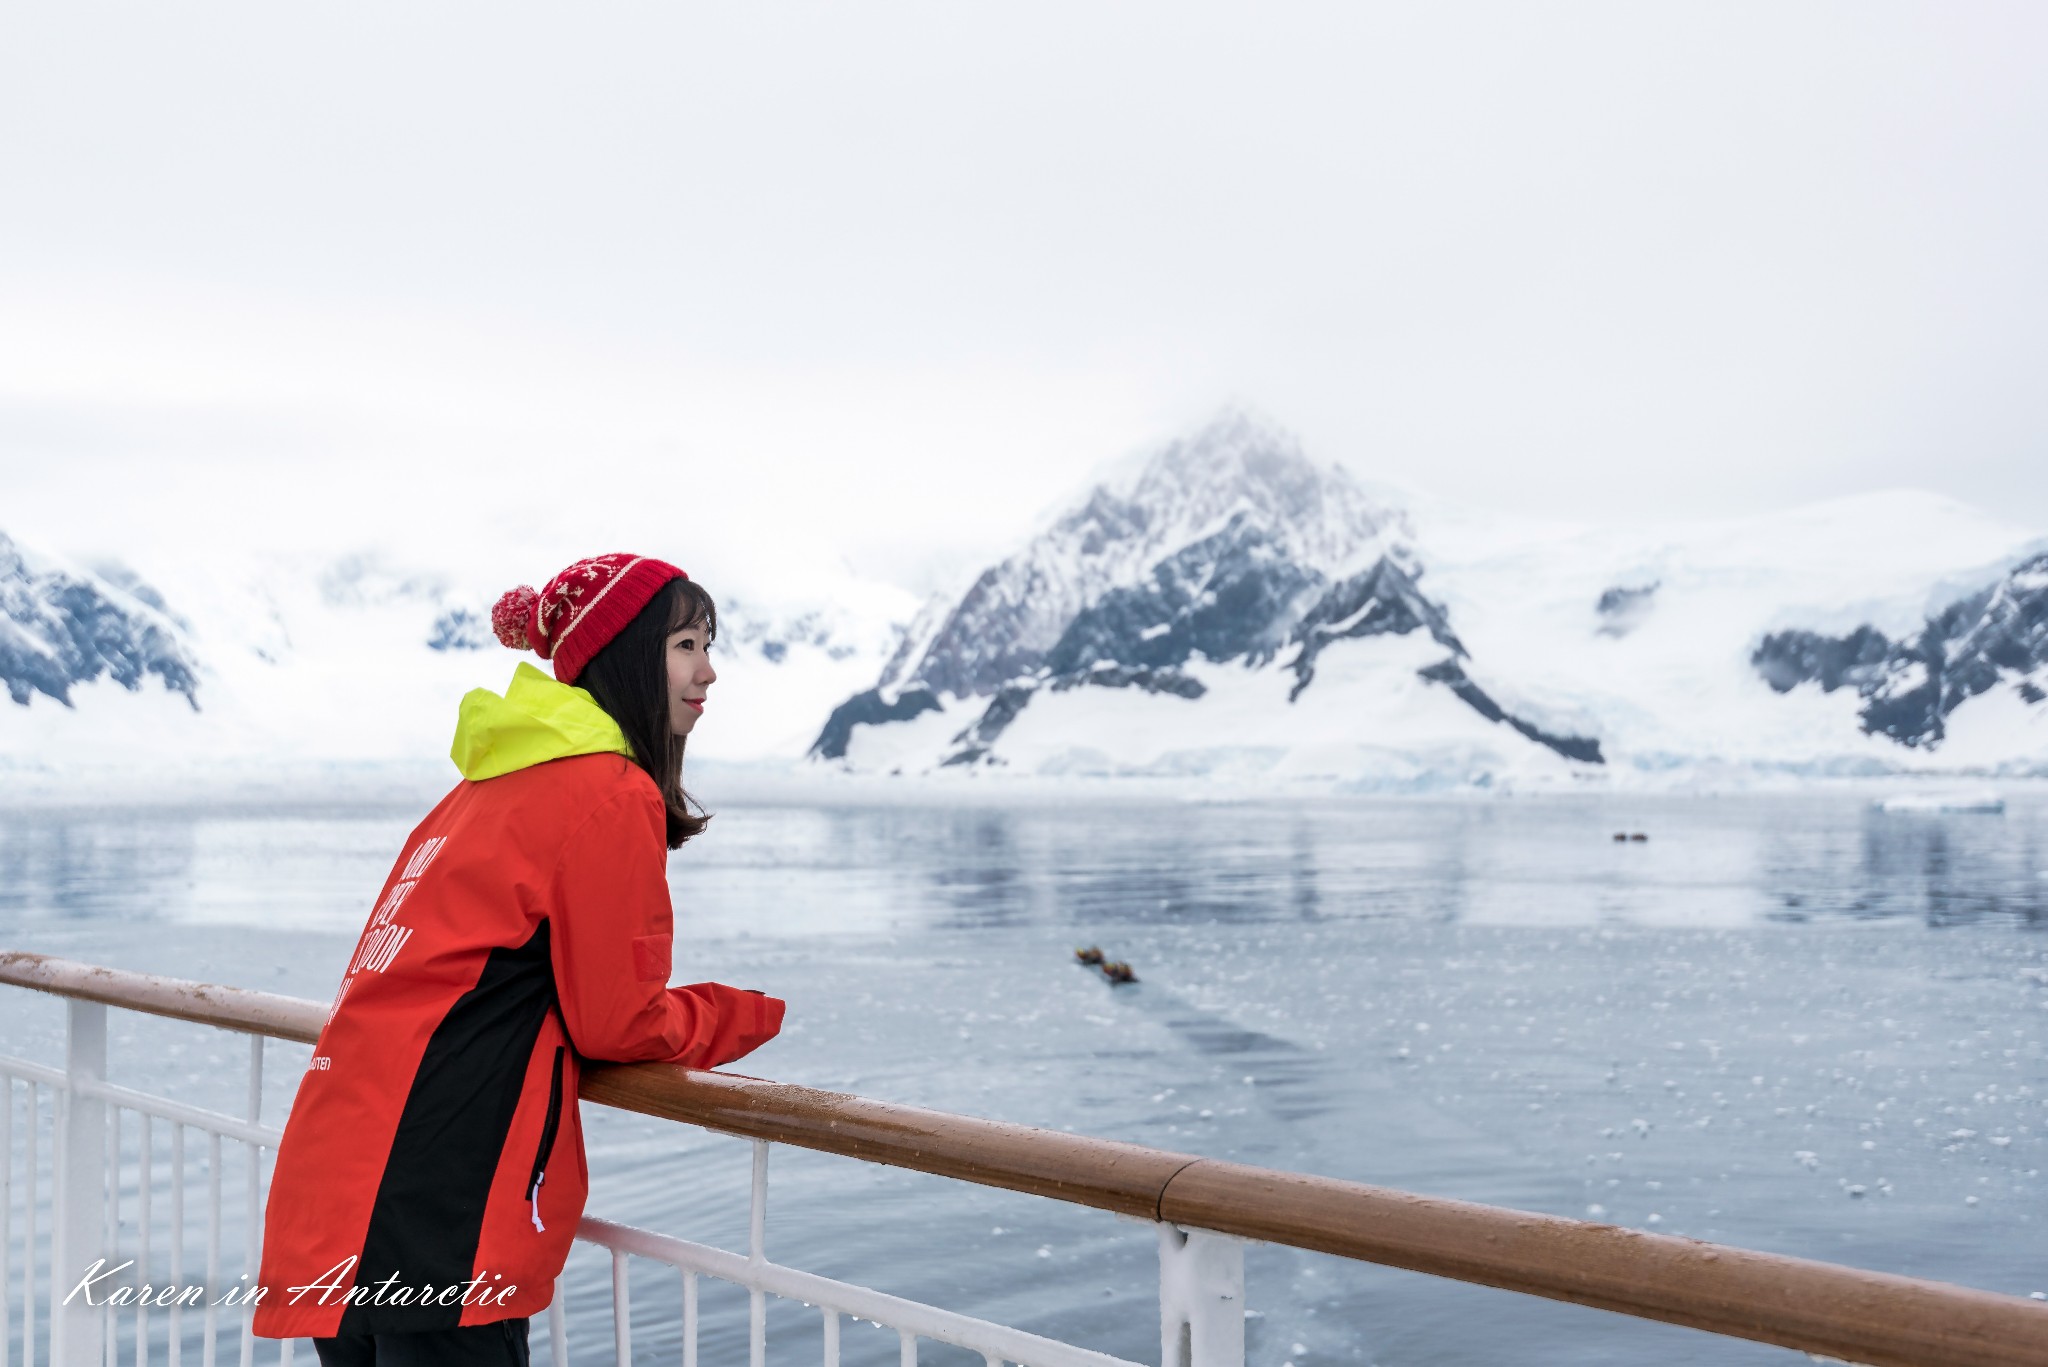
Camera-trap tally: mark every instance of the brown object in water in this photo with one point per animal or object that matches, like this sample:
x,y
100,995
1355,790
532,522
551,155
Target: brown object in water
x,y
1639,836
1621,835
1119,972
1090,955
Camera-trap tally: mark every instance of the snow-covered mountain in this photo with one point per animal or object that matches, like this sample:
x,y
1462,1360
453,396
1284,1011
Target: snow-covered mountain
x,y
1230,608
1224,611
296,665
60,629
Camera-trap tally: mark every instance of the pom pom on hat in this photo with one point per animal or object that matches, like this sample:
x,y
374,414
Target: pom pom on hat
x,y
512,618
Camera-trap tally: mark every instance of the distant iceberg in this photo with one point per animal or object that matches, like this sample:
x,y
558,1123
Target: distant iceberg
x,y
1942,802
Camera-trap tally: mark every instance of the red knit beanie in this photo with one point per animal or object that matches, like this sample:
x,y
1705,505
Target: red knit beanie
x,y
580,609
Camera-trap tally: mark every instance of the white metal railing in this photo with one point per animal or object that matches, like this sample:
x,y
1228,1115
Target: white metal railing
x,y
81,1294
1203,1209
97,1207
760,1278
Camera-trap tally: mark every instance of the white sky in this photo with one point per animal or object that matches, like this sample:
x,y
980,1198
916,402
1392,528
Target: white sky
x,y
772,286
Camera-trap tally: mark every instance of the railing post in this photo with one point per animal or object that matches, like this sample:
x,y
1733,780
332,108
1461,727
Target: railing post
x,y
1201,1298
76,1327
757,1254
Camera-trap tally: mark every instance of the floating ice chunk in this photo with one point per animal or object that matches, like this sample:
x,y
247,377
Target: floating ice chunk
x,y
1807,1158
1978,801
1596,1210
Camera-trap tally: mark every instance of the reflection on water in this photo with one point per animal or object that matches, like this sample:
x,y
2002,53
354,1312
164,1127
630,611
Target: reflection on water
x,y
307,870
1708,862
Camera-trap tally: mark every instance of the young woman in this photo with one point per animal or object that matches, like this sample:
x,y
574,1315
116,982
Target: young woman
x,y
432,1174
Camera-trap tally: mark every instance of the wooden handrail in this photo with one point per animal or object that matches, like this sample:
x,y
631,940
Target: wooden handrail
x,y
231,1008
1842,1312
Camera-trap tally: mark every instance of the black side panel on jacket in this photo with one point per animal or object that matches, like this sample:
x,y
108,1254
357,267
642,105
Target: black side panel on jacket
x,y
429,1212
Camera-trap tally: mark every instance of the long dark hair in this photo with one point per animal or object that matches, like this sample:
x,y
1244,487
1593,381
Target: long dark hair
x,y
629,679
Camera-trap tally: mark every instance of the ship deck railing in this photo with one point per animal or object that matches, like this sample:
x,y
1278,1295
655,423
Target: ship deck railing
x,y
90,1171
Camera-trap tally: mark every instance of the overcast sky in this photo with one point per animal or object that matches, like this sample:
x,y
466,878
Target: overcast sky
x,y
872,284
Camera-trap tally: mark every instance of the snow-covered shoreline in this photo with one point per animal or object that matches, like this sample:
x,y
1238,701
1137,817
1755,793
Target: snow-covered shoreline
x,y
327,785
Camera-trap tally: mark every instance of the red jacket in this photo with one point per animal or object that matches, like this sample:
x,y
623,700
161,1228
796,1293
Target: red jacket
x,y
432,1171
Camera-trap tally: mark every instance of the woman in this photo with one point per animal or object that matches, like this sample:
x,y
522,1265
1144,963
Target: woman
x,y
432,1173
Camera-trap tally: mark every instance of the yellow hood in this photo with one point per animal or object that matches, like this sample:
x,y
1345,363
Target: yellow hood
x,y
537,720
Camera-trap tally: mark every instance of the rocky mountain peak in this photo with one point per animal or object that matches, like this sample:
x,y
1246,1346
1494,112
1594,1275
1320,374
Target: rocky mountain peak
x,y
1242,464
1238,487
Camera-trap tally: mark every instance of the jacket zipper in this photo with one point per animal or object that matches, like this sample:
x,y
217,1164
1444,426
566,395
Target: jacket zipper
x,y
547,1139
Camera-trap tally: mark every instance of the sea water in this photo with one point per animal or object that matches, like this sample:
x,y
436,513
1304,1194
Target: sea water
x,y
1792,1023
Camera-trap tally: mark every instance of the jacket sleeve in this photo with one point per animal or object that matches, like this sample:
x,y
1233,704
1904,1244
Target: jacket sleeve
x,y
610,936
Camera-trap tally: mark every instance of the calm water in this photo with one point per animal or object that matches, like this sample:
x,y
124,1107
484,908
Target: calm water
x,y
1793,1024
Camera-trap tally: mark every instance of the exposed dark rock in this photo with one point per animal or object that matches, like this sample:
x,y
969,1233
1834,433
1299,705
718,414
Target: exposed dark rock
x,y
1452,675
1911,687
868,709
986,638
1859,660
1381,601
1123,676
1623,608
461,629
1225,596
1001,711
58,630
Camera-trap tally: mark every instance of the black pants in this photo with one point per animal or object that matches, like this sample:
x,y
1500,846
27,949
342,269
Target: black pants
x,y
500,1344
